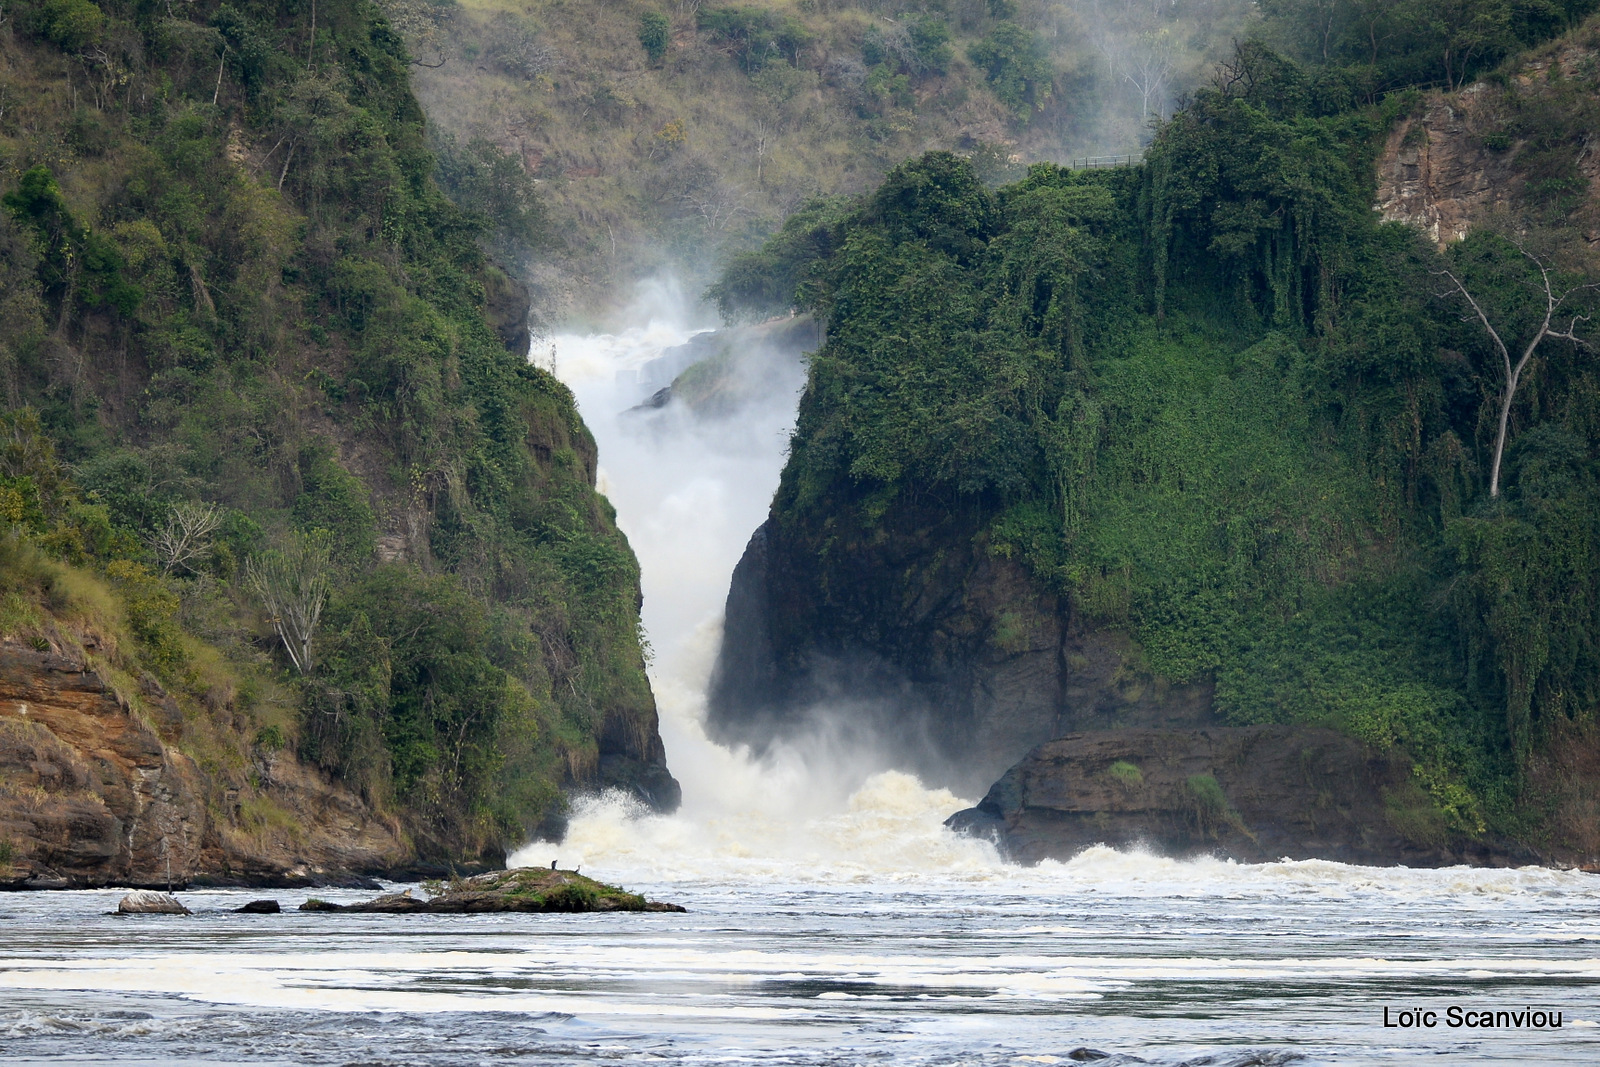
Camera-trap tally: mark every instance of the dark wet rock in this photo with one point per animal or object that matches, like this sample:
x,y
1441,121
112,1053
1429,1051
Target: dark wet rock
x,y
658,399
390,904
1087,1055
912,637
315,904
647,779
505,304
260,907
1253,793
524,889
149,902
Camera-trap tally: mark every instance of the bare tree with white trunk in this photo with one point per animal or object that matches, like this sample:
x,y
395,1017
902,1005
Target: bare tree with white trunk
x,y
1555,300
293,585
1147,63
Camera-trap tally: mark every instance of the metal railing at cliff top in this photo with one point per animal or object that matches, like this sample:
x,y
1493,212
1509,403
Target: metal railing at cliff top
x,y
1126,159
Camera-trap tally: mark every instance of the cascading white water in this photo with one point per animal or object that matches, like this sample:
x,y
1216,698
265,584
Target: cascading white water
x,y
689,492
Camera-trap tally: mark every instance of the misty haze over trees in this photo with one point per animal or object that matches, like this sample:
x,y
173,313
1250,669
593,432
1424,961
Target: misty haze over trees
x,y
670,135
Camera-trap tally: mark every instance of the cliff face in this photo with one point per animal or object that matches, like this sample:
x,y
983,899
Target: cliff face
x,y
94,792
1036,472
938,652
1464,157
1256,794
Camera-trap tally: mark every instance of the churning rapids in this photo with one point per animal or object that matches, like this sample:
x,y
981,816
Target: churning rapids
x,y
832,919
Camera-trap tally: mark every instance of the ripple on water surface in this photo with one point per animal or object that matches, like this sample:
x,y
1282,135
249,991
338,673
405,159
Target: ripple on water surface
x,y
1144,958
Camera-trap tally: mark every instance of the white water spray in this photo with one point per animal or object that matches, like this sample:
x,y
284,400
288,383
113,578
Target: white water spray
x,y
689,491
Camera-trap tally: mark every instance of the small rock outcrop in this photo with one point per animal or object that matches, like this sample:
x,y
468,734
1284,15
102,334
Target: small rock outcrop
x,y
149,902
1252,793
260,907
530,889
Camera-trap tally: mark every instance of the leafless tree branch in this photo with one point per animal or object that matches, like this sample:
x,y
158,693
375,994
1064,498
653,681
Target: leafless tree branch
x,y
186,535
1553,302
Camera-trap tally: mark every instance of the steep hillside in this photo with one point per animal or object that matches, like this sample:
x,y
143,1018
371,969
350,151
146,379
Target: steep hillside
x,y
1517,144
1199,443
264,454
666,135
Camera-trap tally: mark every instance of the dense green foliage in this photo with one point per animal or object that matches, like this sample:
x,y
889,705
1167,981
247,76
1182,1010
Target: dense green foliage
x,y
757,36
1215,402
233,297
655,33
1016,66
1409,42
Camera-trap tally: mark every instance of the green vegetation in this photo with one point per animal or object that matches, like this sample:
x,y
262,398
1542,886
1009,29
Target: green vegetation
x,y
1016,66
1415,41
655,33
1217,404
243,349
1209,807
1126,774
520,889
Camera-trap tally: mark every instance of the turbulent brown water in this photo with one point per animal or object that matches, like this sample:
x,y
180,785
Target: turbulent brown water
x,y
832,918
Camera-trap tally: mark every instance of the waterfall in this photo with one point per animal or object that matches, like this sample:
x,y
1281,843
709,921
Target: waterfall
x,y
690,486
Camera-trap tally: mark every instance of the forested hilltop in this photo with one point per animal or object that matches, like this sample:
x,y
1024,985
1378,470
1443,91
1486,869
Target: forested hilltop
x,y
667,134
1207,442
274,468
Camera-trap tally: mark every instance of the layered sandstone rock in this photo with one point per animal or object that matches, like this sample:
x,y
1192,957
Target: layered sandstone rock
x,y
96,792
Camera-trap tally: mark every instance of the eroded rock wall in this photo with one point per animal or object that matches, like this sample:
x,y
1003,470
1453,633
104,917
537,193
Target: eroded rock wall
x,y
1253,793
96,792
921,642
1452,166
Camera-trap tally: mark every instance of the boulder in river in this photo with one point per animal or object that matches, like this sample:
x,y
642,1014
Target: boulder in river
x,y
260,907
149,902
520,889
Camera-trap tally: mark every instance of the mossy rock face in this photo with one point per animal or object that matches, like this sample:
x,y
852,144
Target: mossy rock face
x,y
520,889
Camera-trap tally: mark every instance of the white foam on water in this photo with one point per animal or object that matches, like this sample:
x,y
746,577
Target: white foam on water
x,y
832,917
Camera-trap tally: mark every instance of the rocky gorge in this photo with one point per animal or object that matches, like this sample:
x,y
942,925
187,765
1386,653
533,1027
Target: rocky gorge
x,y
1064,624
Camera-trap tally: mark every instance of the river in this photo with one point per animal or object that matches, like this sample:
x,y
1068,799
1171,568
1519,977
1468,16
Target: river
x,y
832,919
